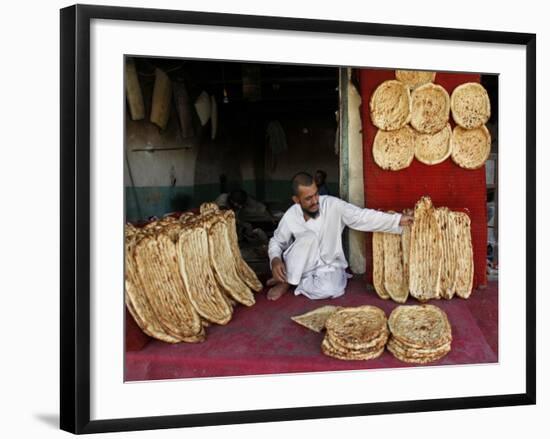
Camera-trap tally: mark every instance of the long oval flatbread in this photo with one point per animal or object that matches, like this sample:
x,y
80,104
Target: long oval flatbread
x,y
406,248
378,265
137,302
245,272
165,290
465,255
449,243
395,282
199,280
223,263
426,252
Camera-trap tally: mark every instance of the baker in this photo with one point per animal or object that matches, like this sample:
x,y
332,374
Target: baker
x,y
306,248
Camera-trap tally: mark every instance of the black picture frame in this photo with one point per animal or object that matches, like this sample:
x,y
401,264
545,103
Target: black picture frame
x,y
75,217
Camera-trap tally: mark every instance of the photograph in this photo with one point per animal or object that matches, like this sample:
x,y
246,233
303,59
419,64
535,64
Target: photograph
x,y
288,218
271,219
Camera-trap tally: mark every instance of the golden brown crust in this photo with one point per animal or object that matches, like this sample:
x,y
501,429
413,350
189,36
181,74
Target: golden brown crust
x,y
223,263
197,275
420,326
465,255
394,150
316,319
419,333
378,265
414,78
470,148
426,252
470,105
159,277
355,327
449,244
357,333
432,149
209,207
430,108
243,269
395,281
390,105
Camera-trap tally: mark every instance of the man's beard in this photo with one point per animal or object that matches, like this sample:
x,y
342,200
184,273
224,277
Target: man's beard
x,y
310,213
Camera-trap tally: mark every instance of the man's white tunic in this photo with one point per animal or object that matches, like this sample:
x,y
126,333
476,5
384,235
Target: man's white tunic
x,y
312,250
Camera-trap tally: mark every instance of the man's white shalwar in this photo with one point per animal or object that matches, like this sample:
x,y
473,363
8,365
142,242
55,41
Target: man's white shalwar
x,y
312,249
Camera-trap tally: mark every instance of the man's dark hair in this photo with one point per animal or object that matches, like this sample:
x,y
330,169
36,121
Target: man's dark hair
x,y
237,196
301,179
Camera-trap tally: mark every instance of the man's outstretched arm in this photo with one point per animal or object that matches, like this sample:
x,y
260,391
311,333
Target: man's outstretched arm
x,y
370,220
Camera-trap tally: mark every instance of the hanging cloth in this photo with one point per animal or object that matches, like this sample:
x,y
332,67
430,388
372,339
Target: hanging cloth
x,y
203,106
162,97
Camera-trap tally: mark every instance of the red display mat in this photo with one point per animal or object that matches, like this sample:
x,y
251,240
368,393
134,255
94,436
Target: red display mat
x,y
264,340
446,183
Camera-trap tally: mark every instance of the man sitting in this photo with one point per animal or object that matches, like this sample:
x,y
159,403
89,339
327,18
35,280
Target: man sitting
x,y
306,248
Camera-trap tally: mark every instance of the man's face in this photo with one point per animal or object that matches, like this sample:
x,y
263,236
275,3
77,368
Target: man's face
x,y
308,199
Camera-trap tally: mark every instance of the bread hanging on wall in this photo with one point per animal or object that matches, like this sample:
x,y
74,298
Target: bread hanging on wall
x,y
162,99
470,105
134,95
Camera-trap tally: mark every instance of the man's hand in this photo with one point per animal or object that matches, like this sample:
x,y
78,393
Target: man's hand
x,y
406,220
278,270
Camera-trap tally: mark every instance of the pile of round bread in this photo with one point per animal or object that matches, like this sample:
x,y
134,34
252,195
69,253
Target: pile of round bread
x,y
356,333
419,333
412,117
183,274
414,334
432,259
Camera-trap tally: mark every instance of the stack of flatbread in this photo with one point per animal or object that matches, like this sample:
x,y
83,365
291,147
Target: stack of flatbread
x,y
419,333
358,333
412,117
432,259
184,274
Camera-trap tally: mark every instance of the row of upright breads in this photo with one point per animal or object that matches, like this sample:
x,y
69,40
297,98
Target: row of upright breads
x,y
184,274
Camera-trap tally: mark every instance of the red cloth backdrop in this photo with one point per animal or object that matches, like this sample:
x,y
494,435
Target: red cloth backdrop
x,y
446,183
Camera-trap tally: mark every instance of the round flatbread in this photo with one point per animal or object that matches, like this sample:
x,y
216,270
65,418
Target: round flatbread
x,y
470,148
408,357
470,105
432,149
390,105
329,350
420,326
355,327
394,150
414,78
430,108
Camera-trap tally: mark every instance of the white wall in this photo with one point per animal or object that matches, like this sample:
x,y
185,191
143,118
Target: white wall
x,y
30,187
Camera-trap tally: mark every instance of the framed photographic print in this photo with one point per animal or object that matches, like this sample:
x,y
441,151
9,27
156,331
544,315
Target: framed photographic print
x,y
274,218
